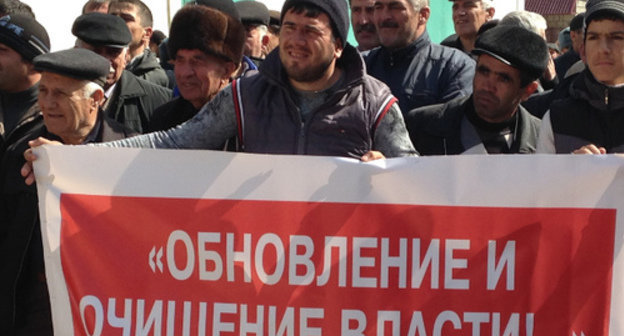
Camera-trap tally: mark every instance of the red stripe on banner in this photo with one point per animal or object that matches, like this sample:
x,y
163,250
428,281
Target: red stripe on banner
x,y
233,266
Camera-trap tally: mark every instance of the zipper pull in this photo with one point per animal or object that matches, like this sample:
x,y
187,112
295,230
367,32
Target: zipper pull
x,y
607,97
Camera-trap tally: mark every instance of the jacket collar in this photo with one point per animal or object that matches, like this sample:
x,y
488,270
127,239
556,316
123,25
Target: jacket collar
x,y
406,52
599,96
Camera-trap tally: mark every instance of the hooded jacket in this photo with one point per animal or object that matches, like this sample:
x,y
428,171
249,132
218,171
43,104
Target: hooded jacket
x,y
146,66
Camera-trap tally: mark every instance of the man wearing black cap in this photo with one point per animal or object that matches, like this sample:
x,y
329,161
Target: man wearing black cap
x,y
138,17
128,99
491,120
21,39
418,71
591,119
255,17
311,96
70,96
206,46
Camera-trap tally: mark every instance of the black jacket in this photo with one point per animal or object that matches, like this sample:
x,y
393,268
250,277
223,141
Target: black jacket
x,y
171,114
437,129
593,114
423,73
134,100
24,301
147,67
27,113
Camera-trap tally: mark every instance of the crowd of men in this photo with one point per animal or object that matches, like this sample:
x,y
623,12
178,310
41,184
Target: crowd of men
x,y
239,77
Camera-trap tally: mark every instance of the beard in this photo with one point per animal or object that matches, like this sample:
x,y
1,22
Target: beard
x,y
306,74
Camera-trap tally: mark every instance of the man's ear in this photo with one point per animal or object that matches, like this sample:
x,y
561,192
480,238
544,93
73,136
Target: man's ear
x,y
98,97
425,13
147,34
265,40
529,89
490,12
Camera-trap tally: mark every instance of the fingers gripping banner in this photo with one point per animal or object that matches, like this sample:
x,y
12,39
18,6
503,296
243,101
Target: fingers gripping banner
x,y
157,242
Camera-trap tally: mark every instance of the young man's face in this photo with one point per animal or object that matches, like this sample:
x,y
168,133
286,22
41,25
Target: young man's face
x,y
130,14
308,50
497,89
604,50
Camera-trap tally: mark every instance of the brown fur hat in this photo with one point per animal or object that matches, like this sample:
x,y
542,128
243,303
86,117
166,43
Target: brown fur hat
x,y
208,30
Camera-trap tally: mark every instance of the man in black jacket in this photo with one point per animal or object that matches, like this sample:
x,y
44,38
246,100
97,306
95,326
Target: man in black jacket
x,y
491,120
128,99
591,119
143,62
70,97
21,39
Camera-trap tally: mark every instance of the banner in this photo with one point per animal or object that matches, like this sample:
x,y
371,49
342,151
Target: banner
x,y
181,242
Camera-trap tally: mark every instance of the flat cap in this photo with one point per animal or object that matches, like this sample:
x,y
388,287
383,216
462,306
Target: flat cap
x,y
25,35
515,46
609,7
253,12
76,63
102,30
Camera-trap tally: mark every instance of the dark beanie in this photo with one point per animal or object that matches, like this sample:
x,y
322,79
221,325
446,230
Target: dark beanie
x,y
225,6
613,8
515,46
25,35
208,30
337,10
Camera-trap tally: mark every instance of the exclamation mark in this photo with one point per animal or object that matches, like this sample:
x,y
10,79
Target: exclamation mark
x,y
530,319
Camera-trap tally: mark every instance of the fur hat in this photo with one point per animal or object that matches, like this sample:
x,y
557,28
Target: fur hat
x,y
337,10
24,35
515,46
209,30
225,6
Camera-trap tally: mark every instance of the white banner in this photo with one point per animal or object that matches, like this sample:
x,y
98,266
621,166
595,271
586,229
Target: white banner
x,y
166,242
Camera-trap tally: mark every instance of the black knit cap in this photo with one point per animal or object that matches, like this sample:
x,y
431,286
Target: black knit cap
x,y
208,30
610,7
25,35
337,10
253,12
515,46
102,30
76,63
225,6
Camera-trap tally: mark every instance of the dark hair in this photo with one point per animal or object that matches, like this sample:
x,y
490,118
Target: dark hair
x,y
15,7
313,11
143,11
157,37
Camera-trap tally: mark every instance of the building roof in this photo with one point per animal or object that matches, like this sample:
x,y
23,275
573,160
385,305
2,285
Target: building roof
x,y
549,7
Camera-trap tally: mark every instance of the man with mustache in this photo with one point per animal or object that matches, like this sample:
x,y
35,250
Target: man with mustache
x,y
418,72
591,119
491,120
363,25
